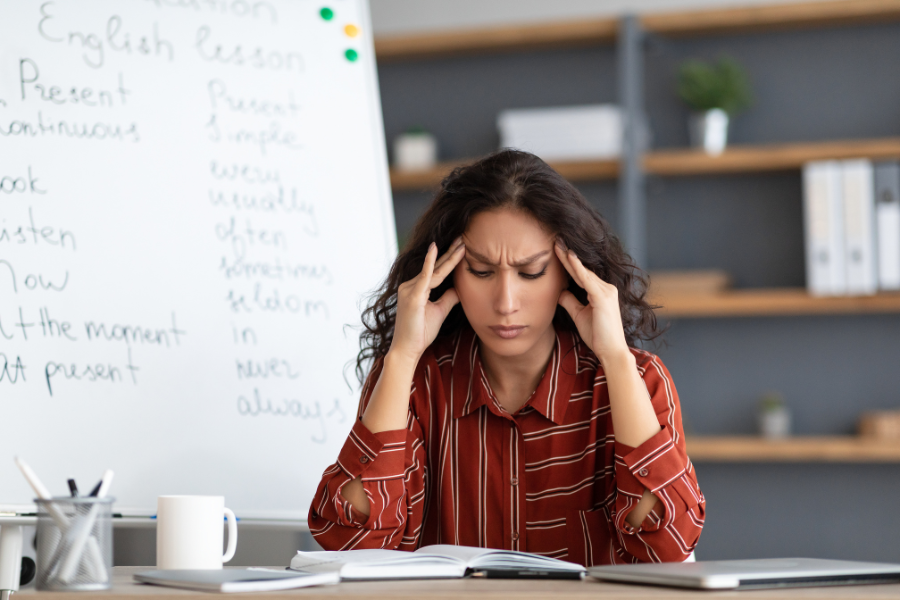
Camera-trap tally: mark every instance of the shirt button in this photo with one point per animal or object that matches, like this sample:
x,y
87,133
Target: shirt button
x,y
515,535
514,481
363,459
643,472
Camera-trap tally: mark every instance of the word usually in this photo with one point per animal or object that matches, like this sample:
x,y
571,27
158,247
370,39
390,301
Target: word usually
x,y
91,373
22,234
273,302
262,138
57,95
269,203
92,45
235,8
33,281
20,185
257,58
95,131
219,96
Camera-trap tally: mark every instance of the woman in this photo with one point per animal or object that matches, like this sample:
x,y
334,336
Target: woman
x,y
506,406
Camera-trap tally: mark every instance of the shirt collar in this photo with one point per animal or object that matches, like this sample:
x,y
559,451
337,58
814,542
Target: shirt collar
x,y
470,389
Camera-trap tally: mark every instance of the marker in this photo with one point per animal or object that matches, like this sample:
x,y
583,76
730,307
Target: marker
x,y
43,493
73,489
96,489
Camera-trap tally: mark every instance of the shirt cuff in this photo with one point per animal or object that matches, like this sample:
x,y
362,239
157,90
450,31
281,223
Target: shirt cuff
x,y
656,463
373,456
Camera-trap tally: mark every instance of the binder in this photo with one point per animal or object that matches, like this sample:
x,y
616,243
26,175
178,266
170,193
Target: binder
x,y
823,216
887,215
859,227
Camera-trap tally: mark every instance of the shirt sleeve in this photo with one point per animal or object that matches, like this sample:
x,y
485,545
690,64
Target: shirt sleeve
x,y
671,531
391,465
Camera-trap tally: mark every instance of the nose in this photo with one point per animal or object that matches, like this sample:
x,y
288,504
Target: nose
x,y
506,300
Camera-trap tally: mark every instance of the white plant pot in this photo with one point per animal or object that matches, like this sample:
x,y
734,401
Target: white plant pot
x,y
415,151
709,130
775,423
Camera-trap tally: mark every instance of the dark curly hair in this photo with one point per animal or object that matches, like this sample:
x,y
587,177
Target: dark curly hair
x,y
520,181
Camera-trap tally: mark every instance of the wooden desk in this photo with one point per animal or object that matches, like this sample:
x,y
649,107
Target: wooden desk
x,y
464,589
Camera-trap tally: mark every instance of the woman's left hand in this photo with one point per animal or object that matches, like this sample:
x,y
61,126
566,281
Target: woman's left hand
x,y
600,322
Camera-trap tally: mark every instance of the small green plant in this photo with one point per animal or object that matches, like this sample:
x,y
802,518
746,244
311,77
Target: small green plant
x,y
705,86
771,401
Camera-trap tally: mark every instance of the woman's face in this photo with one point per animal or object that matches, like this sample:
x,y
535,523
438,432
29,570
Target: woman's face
x,y
509,281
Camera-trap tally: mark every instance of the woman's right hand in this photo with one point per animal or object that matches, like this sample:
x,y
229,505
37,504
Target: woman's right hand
x,y
418,319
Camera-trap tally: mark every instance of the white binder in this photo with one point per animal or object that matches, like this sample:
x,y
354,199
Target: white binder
x,y
887,215
823,214
859,227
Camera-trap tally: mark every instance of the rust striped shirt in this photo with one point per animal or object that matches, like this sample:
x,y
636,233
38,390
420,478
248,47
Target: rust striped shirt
x,y
550,479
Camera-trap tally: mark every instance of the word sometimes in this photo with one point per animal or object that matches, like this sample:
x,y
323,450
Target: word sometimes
x,y
32,234
274,270
89,373
15,184
272,301
243,173
234,8
93,46
220,98
273,367
238,56
29,74
32,281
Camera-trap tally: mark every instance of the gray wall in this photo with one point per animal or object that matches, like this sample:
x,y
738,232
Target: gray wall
x,y
809,85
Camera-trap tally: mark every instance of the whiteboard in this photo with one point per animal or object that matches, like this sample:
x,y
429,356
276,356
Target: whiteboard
x,y
194,203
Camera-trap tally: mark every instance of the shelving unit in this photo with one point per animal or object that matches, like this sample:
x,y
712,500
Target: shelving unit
x,y
605,30
796,449
771,303
682,162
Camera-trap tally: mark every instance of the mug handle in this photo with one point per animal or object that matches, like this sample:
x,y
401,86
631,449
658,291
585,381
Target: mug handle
x,y
232,535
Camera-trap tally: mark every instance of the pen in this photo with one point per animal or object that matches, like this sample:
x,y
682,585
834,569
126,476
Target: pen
x,y
96,489
73,489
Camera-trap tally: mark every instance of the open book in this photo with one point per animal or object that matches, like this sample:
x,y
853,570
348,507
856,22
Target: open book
x,y
433,562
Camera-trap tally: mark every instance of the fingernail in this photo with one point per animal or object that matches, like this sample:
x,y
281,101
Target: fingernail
x,y
561,244
457,241
431,246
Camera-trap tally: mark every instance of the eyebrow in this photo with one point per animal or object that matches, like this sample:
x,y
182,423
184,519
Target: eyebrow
x,y
519,263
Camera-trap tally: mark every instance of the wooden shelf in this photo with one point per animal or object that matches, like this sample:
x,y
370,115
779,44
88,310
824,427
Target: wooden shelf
x,y
771,303
767,157
681,162
573,171
797,449
600,31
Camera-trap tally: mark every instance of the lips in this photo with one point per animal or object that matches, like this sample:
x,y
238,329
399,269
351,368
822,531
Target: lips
x,y
507,332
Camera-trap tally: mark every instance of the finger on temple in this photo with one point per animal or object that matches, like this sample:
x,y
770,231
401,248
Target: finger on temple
x,y
445,268
428,267
564,258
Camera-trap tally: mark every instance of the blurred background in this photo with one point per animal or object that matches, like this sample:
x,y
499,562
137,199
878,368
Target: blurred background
x,y
757,349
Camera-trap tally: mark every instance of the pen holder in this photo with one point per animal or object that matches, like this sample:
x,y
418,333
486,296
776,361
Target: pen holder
x,y
74,543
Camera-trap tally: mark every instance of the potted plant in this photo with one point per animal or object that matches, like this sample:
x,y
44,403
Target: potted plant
x,y
715,92
415,150
774,416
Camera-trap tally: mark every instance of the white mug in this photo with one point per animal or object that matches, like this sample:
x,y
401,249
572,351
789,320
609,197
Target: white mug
x,y
189,533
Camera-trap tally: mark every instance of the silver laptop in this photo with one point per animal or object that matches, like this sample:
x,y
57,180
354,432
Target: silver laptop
x,y
752,574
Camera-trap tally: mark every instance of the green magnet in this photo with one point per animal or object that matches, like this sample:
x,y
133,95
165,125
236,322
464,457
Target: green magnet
x,y
351,55
327,13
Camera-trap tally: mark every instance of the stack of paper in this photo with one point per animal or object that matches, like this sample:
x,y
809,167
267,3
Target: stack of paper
x,y
563,133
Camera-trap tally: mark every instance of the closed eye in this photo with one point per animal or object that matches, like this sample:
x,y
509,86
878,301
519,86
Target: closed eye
x,y
484,274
